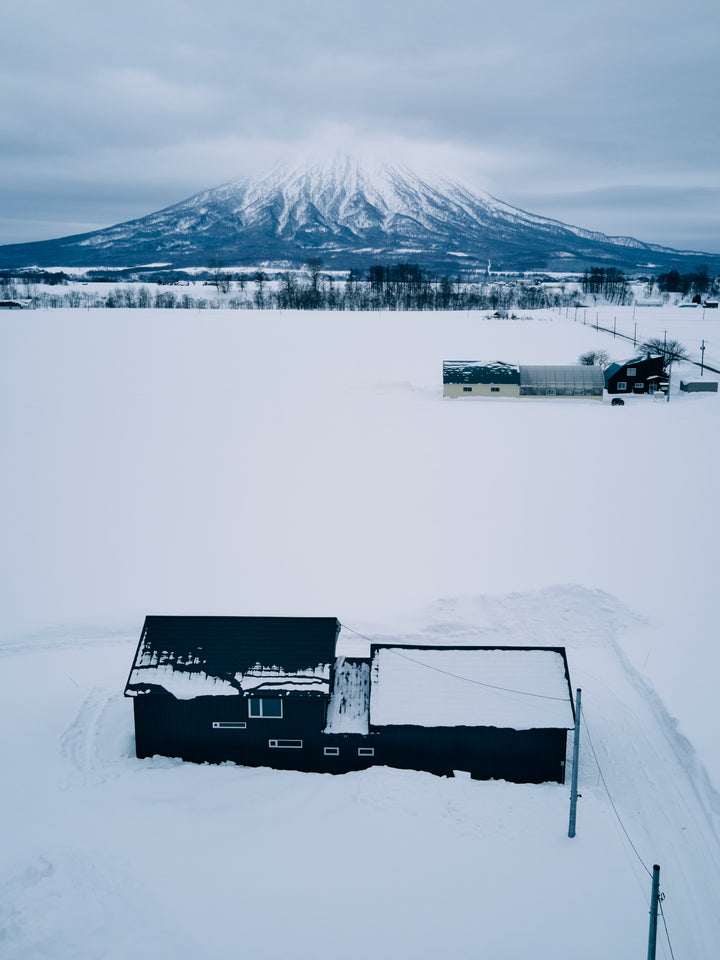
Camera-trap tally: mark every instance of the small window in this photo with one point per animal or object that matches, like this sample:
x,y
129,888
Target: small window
x,y
331,751
228,725
467,389
265,708
285,744
622,385
631,371
366,751
639,387
494,389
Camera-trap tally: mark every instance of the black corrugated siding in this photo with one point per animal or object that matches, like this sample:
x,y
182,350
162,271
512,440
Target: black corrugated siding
x,y
183,728
488,753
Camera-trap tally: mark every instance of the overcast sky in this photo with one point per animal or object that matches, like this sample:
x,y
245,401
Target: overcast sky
x,y
604,115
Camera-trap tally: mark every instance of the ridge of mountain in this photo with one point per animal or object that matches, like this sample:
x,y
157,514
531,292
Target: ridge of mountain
x,y
349,215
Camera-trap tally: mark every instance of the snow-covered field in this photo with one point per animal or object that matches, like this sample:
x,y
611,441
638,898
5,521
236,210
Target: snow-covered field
x,y
283,463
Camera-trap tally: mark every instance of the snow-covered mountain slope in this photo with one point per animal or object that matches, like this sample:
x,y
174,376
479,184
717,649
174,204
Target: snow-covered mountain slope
x,y
350,215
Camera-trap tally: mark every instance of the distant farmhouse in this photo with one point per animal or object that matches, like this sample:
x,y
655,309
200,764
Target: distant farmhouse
x,y
639,375
271,691
472,378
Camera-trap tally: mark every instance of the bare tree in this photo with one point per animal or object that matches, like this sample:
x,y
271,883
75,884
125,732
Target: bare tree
x,y
671,351
594,358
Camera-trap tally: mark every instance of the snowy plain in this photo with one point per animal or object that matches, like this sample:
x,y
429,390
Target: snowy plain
x,y
251,462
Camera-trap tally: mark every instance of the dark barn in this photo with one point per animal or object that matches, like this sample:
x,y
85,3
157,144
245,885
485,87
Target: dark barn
x,y
497,712
270,691
639,375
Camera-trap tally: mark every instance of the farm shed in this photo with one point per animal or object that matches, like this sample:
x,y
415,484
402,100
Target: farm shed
x,y
466,378
270,691
471,378
698,386
638,375
498,712
575,380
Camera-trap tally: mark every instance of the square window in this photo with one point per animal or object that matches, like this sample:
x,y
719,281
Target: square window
x,y
331,751
621,385
631,371
366,751
258,708
285,744
467,389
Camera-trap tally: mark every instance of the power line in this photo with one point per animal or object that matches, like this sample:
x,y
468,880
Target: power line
x,y
662,914
612,802
457,676
627,835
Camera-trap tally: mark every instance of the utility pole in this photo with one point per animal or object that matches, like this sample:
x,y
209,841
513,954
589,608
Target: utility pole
x,y
576,754
614,326
654,901
702,358
596,319
669,375
635,335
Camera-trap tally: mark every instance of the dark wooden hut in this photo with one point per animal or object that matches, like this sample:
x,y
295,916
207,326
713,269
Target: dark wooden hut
x,y
497,712
639,375
270,691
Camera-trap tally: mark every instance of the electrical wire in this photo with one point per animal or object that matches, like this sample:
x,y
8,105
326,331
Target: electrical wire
x,y
457,676
587,730
662,914
612,802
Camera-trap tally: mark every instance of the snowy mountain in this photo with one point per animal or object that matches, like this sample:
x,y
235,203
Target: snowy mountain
x,y
349,215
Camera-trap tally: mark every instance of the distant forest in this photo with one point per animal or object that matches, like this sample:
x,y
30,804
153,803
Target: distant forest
x,y
402,286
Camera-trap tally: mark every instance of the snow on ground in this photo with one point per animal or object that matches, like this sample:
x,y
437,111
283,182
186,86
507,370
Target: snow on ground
x,y
283,463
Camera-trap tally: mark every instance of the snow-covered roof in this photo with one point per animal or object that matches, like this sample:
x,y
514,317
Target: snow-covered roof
x,y
190,657
477,371
511,688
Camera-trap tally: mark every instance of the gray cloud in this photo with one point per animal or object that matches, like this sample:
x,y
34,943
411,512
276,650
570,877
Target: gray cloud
x,y
111,113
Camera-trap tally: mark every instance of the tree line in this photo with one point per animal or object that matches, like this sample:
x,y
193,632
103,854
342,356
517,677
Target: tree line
x,y
402,286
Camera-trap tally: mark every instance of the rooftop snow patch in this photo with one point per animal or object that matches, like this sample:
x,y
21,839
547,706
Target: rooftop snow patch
x,y
205,656
518,689
476,371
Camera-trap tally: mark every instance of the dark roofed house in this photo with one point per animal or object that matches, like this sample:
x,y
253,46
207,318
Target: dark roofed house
x,y
270,691
638,375
250,689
